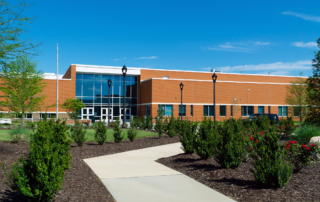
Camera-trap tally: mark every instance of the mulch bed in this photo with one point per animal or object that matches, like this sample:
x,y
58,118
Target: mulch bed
x,y
239,183
80,183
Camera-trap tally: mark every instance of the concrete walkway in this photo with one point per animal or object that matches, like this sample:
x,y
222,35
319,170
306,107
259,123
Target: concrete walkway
x,y
134,176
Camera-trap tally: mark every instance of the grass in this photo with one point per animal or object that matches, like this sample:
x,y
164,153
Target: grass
x,y
141,133
5,134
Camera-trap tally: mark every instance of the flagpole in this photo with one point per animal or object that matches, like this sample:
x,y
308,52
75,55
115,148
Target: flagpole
x,y
57,115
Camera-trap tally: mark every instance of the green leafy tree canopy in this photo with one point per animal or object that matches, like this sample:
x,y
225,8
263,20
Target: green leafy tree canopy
x,y
22,86
73,106
313,89
13,26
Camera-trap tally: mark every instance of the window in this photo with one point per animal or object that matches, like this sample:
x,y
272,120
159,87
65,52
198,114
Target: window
x,y
26,116
183,110
261,109
223,110
269,110
191,110
231,110
296,111
247,110
49,115
147,110
282,111
167,109
208,110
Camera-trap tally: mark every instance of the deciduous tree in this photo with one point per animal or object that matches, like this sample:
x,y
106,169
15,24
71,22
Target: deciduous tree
x,y
313,89
22,86
73,106
12,27
297,96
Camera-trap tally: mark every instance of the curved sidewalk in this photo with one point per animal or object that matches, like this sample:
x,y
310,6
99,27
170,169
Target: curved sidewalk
x,y
134,176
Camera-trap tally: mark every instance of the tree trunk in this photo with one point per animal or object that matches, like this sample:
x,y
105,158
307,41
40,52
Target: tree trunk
x,y
22,121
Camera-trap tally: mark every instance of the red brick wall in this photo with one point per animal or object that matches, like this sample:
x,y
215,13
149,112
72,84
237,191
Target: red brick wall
x,y
67,89
196,92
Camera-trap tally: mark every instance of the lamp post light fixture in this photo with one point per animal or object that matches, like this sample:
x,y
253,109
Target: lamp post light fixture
x,y
124,72
181,88
108,114
214,78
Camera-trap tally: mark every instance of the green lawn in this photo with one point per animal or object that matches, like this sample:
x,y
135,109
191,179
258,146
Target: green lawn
x,y
5,134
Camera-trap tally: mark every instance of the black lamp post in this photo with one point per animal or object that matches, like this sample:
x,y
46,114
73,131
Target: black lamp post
x,y
108,114
181,88
214,78
124,72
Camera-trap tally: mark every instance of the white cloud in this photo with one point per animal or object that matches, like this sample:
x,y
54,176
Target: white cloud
x,y
247,47
116,59
144,58
302,44
124,58
303,16
277,67
262,43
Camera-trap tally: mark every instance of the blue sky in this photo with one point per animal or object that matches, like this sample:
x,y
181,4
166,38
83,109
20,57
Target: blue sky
x,y
254,37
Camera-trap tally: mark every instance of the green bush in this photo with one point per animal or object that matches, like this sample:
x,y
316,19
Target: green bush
x,y
41,176
148,123
159,123
101,132
288,125
187,136
205,142
112,124
19,134
31,125
177,125
230,148
305,133
300,155
132,134
172,127
270,166
117,132
78,133
263,122
165,124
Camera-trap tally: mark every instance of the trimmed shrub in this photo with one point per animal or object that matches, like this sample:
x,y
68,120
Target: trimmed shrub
x,y
41,176
101,132
19,134
270,166
165,124
187,136
132,134
205,141
117,132
230,148
172,127
263,122
305,133
148,123
112,124
159,123
31,125
300,155
177,125
78,133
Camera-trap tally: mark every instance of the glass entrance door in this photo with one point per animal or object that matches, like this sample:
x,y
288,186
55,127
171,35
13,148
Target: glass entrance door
x,y
128,114
87,113
104,114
